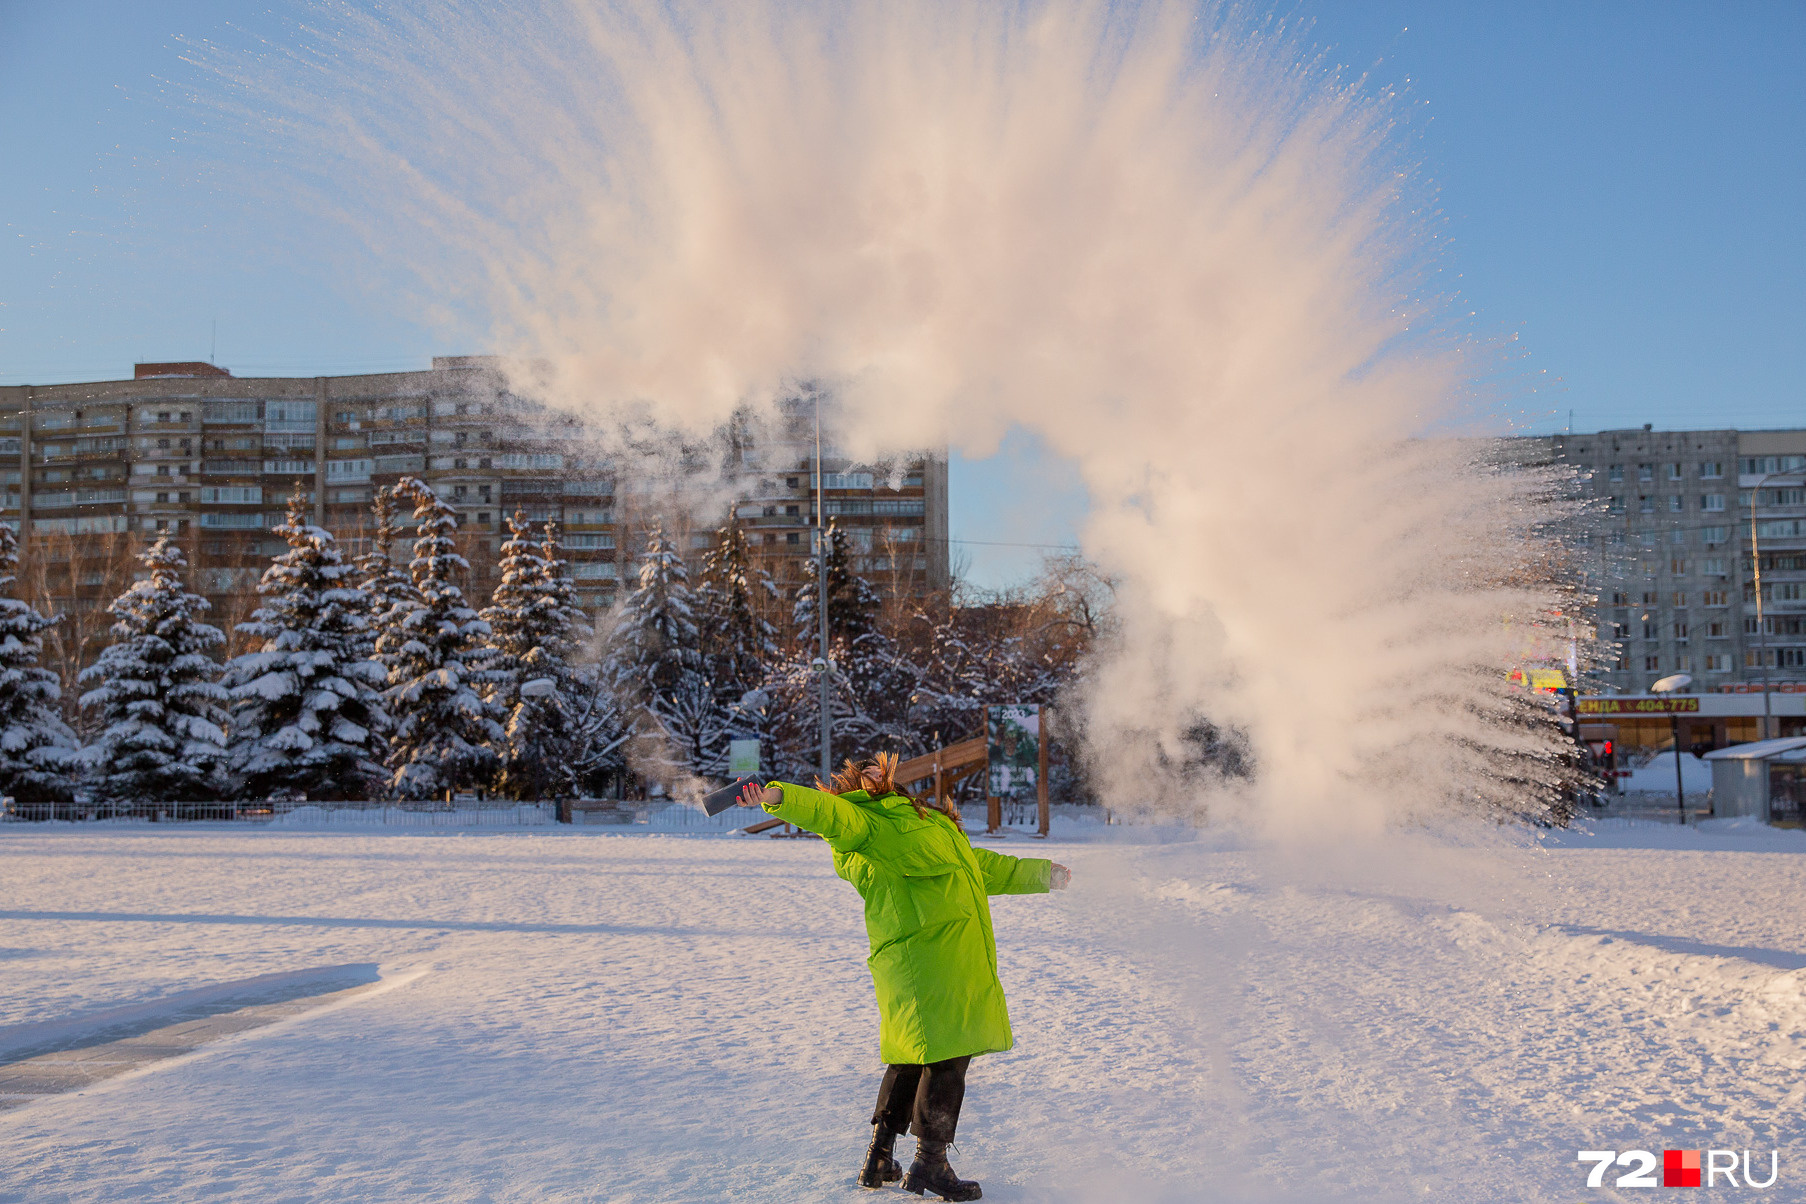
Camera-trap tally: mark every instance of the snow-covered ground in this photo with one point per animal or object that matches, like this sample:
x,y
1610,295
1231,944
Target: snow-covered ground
x,y
614,1017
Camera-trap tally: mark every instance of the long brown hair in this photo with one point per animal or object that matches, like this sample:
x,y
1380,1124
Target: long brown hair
x,y
878,777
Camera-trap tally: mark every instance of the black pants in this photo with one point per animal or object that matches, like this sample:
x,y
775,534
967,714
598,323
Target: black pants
x,y
929,1095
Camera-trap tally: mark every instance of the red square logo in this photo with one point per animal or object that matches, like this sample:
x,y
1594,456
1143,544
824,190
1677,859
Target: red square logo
x,y
1680,1168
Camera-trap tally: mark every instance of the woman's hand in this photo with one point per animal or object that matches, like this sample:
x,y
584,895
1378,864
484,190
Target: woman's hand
x,y
756,795
1062,877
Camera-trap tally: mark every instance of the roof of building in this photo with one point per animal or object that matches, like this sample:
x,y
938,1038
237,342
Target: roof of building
x,y
1762,750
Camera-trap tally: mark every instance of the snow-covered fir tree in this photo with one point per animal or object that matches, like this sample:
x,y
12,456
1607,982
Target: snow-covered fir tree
x,y
852,602
37,749
157,695
383,582
737,641
534,630
444,735
871,683
655,640
307,713
657,670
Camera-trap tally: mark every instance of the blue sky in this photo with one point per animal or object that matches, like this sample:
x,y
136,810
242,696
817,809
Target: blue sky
x,y
1621,187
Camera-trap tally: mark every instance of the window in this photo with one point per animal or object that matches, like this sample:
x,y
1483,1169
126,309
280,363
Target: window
x,y
1645,504
459,491
231,494
1615,472
1680,628
1718,662
1678,535
1652,664
1676,503
1620,599
1615,505
1714,597
1714,534
348,470
483,516
1684,664
187,416
1786,497
1645,472
1680,597
162,445
1713,566
792,510
1674,472
162,415
1716,630
1755,465
1678,567
163,498
791,538
1787,591
1712,503
1652,630
1650,599
1711,470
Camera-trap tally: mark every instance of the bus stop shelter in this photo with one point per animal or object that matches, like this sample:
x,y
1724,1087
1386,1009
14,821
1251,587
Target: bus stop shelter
x,y
1764,779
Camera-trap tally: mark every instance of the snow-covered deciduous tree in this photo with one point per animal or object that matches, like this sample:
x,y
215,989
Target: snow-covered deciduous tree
x,y
534,631
37,748
444,735
157,694
307,713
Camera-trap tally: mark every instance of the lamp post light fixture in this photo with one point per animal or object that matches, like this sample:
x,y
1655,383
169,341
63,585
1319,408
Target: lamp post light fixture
x,y
1671,685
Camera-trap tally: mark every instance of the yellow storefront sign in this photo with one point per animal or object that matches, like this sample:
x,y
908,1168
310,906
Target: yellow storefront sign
x,y
1638,706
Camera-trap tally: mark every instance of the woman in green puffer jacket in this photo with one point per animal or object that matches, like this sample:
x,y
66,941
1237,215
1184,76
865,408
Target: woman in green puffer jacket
x,y
934,957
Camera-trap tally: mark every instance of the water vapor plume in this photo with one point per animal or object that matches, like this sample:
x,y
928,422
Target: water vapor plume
x,y
1184,255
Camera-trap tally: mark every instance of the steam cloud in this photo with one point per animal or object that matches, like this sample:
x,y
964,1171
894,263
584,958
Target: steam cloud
x,y
1147,232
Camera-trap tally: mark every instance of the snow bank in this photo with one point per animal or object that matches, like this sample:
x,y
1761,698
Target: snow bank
x,y
1657,777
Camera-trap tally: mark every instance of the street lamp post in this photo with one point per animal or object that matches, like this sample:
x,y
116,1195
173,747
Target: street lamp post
x,y
1672,685
824,666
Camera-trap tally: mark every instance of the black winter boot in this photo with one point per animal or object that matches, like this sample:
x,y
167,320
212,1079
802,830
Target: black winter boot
x,y
932,1172
880,1166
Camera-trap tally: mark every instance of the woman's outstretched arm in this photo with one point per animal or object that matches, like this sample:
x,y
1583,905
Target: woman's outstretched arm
x,y
1006,875
829,816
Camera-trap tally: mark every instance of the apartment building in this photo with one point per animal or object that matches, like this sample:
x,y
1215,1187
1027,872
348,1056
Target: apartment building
x,y
1674,559
96,469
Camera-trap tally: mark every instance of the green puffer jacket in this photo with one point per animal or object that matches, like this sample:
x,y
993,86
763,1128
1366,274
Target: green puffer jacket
x,y
934,958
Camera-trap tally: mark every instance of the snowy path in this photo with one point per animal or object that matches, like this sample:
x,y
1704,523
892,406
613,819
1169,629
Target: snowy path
x,y
623,1018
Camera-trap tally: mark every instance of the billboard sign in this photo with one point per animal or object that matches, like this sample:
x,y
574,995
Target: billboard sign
x,y
742,758
1013,737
